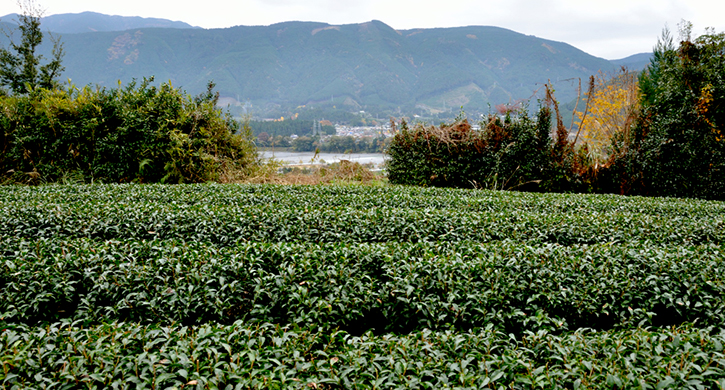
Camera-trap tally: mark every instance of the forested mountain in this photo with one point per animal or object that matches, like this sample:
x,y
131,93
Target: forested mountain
x,y
368,66
635,62
93,21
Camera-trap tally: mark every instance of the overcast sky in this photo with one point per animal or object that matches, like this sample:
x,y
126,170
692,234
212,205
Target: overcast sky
x,y
610,29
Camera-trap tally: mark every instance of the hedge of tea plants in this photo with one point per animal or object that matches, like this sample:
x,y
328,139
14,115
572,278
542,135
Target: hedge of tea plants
x,y
241,286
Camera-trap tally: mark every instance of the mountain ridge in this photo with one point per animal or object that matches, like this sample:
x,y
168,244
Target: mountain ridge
x,y
74,23
364,66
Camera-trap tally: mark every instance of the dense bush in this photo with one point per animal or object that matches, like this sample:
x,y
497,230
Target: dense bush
x,y
513,151
677,145
136,133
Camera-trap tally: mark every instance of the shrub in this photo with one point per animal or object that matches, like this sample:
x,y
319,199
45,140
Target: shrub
x,y
137,133
511,151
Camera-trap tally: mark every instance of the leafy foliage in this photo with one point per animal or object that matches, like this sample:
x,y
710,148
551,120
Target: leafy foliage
x,y
677,147
211,286
391,287
267,356
20,65
135,133
611,108
511,151
234,214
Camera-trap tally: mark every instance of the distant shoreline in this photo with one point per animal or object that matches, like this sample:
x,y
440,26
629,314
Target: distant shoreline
x,y
309,158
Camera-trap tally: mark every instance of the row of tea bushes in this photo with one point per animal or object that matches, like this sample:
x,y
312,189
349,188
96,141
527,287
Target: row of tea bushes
x,y
391,287
352,197
239,356
209,214
240,287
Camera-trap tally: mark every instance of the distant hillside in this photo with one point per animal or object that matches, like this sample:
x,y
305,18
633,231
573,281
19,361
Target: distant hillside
x,y
92,21
635,62
368,66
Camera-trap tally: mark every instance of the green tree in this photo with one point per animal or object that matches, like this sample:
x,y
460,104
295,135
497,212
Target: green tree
x,y
677,146
21,67
303,144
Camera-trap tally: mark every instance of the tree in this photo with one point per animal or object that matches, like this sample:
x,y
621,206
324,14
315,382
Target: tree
x,y
21,68
263,137
677,145
303,144
611,108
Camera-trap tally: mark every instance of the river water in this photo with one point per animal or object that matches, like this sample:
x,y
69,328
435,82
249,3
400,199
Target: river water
x,y
309,158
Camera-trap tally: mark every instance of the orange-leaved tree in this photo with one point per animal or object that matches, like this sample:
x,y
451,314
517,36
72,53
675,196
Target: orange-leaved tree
x,y
612,103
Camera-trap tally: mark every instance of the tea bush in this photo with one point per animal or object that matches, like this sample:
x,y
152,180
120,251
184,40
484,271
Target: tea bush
x,y
243,286
229,215
392,287
241,356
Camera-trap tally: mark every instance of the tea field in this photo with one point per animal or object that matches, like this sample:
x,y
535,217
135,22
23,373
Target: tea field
x,y
347,287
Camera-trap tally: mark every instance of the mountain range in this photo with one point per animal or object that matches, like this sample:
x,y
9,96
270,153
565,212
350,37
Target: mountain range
x,y
296,65
94,22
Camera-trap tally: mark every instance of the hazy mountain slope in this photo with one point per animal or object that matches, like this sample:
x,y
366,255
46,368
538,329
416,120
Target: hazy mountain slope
x,y
359,66
635,62
505,65
93,21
